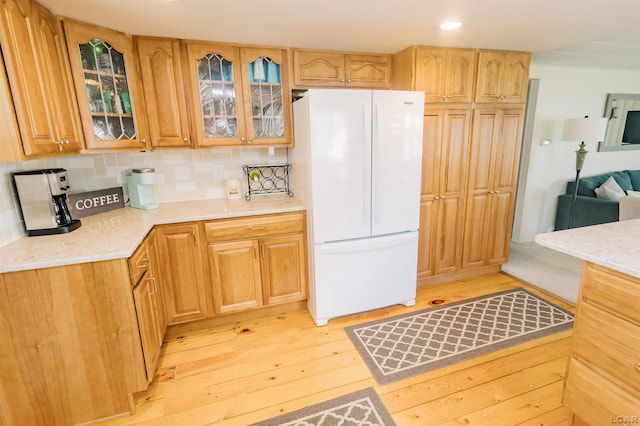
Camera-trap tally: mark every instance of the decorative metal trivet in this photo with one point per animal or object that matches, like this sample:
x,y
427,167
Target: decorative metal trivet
x,y
267,179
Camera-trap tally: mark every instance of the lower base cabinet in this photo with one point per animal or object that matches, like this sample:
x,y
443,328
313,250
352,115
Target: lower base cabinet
x,y
235,275
232,265
602,385
147,295
257,261
183,264
71,350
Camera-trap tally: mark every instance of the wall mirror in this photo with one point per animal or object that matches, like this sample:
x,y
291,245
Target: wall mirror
x,y
623,129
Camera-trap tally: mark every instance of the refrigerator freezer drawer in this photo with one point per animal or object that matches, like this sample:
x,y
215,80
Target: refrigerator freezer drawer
x,y
361,275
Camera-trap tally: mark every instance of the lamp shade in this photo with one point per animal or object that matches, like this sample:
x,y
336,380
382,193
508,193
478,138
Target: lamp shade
x,y
585,129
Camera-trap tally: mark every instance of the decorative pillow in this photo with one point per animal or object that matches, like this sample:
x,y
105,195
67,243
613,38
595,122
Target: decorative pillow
x,y
610,190
633,193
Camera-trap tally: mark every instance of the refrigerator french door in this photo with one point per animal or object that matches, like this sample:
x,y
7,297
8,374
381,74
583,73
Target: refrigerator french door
x,y
358,152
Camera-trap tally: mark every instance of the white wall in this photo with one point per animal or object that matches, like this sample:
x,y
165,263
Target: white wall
x,y
566,92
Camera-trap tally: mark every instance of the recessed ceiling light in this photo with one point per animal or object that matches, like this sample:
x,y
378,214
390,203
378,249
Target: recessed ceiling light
x,y
450,25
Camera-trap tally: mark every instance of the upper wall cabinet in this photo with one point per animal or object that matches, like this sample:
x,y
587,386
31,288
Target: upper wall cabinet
x,y
163,83
106,75
318,68
502,76
239,96
443,74
10,150
39,76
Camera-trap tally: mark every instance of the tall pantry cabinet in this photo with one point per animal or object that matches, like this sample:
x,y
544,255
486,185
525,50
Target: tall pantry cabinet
x,y
471,147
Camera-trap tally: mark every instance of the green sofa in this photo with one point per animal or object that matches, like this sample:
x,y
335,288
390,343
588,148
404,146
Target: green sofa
x,y
589,209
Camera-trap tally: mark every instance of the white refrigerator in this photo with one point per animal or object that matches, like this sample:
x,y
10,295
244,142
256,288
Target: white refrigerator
x,y
356,164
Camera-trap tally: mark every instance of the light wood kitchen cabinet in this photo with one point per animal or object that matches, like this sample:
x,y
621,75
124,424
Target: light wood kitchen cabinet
x,y
163,83
444,166
183,266
494,154
284,268
502,76
443,74
602,385
10,141
319,68
107,80
149,302
239,96
40,80
71,347
235,273
257,261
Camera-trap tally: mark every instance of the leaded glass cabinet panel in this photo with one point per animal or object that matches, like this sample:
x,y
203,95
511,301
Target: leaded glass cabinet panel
x,y
105,66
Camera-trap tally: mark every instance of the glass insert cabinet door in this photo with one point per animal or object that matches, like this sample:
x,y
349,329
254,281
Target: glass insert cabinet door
x,y
267,96
109,90
238,95
218,97
105,78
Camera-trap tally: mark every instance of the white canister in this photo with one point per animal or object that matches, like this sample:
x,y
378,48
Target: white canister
x,y
233,188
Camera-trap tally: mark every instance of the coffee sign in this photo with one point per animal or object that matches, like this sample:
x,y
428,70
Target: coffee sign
x,y
94,202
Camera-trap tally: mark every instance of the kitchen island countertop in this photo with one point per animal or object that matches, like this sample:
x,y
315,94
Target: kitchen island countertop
x,y
117,233
614,245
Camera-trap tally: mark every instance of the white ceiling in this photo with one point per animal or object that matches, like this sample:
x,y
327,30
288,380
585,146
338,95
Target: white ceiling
x,y
603,33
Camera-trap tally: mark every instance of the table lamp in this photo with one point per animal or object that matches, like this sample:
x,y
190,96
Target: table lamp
x,y
582,130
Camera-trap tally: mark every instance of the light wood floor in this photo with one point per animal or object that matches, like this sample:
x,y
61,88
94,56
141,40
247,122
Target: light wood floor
x,y
246,372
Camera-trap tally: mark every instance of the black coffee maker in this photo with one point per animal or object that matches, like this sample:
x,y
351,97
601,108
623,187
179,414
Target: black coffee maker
x,y
43,201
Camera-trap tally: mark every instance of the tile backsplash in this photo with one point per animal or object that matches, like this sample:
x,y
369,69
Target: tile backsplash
x,y
180,175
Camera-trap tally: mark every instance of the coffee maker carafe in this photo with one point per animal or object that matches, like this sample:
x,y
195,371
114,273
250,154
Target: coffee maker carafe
x,y
43,201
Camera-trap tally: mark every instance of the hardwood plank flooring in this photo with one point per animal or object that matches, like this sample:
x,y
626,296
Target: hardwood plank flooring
x,y
240,373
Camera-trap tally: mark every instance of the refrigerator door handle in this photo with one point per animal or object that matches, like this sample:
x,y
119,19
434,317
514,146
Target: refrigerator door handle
x,y
365,178
375,164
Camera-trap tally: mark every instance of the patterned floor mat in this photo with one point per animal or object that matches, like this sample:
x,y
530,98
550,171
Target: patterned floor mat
x,y
362,408
402,346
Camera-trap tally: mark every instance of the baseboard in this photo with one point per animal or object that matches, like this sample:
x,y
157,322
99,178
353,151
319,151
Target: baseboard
x,y
459,275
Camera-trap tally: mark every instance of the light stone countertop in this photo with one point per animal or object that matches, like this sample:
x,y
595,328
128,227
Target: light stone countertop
x,y
117,233
614,245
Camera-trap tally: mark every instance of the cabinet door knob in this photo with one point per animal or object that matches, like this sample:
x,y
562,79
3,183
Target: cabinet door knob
x,y
349,81
250,140
242,138
436,198
186,140
637,367
143,141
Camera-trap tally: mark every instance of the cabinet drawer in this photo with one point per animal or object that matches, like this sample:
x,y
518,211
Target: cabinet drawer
x,y
611,291
609,343
594,399
254,227
138,264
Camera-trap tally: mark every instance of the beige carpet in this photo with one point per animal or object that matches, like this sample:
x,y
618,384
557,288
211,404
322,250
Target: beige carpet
x,y
551,271
405,345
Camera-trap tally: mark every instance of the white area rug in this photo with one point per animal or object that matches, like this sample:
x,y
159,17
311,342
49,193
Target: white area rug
x,y
549,270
